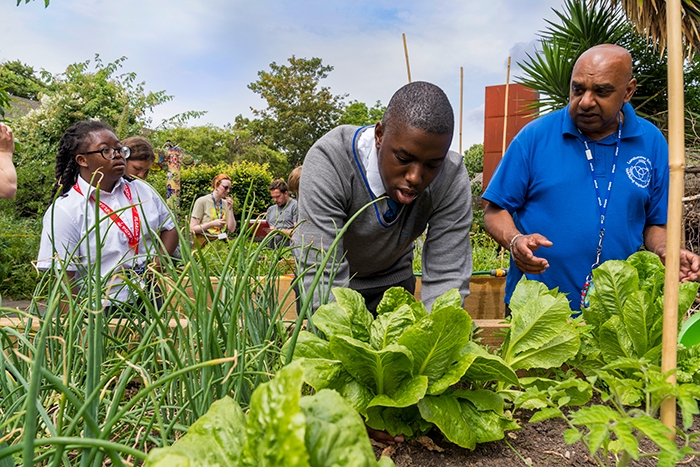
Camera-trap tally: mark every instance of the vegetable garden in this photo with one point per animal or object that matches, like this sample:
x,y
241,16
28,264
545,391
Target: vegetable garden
x,y
216,376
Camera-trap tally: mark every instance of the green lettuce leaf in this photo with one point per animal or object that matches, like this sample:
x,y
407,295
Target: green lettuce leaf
x,y
488,367
309,345
216,438
448,415
614,342
276,429
347,316
320,373
462,422
639,316
394,298
650,271
540,335
388,327
483,399
335,433
614,281
406,421
436,344
407,394
527,290
353,391
450,299
382,371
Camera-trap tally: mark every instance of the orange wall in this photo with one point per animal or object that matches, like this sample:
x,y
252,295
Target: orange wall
x,y
519,115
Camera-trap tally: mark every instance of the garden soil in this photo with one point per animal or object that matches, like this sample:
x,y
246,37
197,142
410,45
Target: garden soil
x,y
537,445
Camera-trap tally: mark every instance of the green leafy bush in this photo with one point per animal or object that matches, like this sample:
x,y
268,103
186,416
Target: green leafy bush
x,y
19,246
474,159
281,428
196,181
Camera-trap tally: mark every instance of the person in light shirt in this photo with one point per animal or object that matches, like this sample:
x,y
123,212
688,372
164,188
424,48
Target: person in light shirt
x,y
134,222
212,214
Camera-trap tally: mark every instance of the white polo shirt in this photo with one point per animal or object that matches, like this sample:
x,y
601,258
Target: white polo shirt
x,y
69,237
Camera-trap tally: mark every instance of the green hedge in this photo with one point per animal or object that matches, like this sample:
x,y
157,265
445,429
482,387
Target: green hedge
x,y
196,181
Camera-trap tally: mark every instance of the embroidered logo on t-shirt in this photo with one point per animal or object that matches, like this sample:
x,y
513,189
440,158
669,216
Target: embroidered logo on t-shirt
x,y
639,171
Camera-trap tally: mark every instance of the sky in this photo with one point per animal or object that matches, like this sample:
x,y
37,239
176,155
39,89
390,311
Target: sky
x,y
205,53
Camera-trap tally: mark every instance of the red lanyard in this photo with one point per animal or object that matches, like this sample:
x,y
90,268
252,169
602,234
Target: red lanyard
x,y
132,237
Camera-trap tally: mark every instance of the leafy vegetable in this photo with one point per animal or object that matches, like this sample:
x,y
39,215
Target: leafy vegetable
x,y
398,370
540,333
626,312
282,429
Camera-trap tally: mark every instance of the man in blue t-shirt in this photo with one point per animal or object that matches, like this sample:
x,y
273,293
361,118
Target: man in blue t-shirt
x,y
588,183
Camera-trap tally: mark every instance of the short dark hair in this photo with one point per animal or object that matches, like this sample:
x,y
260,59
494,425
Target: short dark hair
x,y
421,105
280,185
141,149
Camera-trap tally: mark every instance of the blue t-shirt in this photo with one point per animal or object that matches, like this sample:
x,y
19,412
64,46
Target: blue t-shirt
x,y
545,182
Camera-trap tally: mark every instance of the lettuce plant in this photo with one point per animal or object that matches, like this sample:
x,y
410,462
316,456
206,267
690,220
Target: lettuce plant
x,y
540,333
627,306
281,429
398,369
620,356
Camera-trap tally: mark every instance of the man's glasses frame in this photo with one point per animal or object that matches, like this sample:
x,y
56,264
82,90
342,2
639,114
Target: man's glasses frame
x,y
110,153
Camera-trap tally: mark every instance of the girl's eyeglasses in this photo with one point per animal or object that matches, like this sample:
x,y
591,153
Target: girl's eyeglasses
x,y
110,153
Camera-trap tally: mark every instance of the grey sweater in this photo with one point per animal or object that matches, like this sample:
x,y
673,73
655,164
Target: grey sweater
x,y
373,253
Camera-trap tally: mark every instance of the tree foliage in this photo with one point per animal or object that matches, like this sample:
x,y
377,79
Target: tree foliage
x,y
299,111
215,145
474,159
357,113
21,80
80,93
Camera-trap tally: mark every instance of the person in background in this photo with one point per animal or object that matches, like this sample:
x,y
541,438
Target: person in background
x,y
584,184
135,223
403,164
282,215
142,157
8,175
293,182
212,215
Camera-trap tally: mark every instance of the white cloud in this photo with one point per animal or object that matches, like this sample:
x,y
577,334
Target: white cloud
x,y
206,53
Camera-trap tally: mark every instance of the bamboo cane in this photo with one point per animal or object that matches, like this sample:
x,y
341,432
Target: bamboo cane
x,y
505,112
405,51
461,105
676,164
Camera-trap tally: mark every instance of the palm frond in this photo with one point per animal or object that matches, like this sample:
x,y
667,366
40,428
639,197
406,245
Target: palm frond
x,y
649,17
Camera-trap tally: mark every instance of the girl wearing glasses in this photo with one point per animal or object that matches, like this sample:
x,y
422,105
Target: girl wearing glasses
x,y
212,215
133,219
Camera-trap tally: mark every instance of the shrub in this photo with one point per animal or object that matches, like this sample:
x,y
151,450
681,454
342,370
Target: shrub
x,y
19,245
196,181
474,159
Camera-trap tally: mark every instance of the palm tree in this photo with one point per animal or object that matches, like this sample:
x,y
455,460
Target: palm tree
x,y
649,16
581,27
